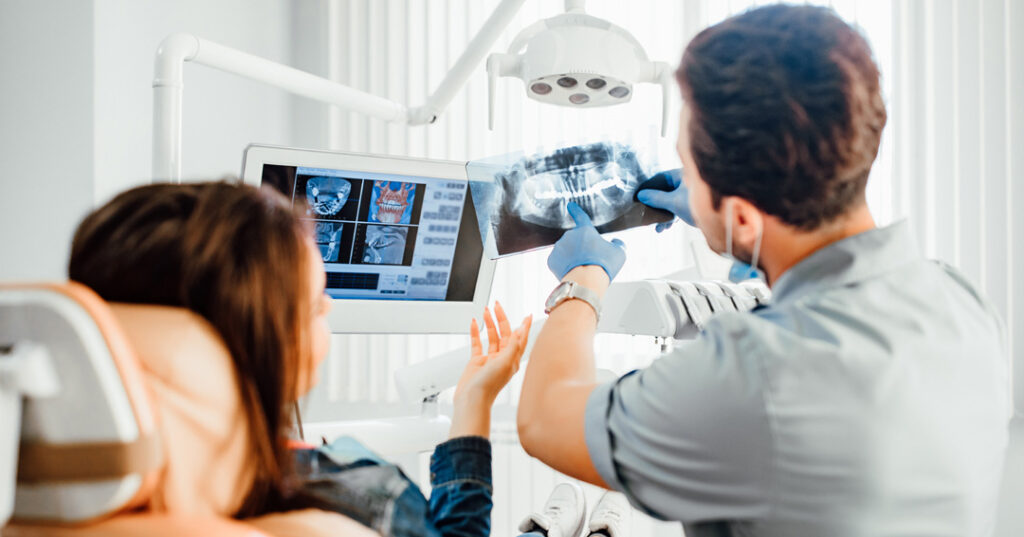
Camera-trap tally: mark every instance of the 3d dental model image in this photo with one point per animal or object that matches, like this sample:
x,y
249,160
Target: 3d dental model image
x,y
391,202
523,203
385,245
327,195
328,239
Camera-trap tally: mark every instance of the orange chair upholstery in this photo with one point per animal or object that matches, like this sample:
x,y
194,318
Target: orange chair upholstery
x,y
148,393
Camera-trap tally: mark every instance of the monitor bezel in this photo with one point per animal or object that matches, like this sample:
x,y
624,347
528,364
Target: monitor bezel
x,y
352,316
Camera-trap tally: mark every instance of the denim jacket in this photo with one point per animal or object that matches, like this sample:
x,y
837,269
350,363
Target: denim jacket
x,y
346,478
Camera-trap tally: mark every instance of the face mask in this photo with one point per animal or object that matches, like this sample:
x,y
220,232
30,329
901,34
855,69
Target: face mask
x,y
741,271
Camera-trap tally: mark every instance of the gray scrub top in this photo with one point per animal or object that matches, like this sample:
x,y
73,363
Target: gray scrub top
x,y
871,398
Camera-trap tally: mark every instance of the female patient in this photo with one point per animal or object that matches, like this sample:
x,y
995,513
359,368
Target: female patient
x,y
241,258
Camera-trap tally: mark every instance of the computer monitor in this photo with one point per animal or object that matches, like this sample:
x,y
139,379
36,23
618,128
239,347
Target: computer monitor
x,y
399,236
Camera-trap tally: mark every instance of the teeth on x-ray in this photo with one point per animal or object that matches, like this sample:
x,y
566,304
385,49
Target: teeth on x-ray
x,y
601,178
385,245
328,235
327,195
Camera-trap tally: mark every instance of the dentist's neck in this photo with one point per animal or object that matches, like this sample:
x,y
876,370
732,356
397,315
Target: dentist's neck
x,y
785,246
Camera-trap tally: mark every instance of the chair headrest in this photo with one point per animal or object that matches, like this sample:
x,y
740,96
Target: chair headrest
x,y
148,411
191,377
91,450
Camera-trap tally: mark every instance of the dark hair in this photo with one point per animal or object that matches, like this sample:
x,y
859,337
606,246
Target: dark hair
x,y
786,111
235,255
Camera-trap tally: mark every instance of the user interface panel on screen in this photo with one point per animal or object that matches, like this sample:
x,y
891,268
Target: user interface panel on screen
x,y
387,236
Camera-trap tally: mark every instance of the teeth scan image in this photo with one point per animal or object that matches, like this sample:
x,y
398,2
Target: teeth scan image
x,y
385,245
328,239
391,202
528,204
327,195
601,178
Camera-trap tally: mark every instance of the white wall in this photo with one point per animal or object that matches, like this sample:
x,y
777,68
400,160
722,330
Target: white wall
x,y
223,113
46,141
76,109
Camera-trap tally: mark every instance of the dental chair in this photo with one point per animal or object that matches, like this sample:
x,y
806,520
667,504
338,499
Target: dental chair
x,y
120,419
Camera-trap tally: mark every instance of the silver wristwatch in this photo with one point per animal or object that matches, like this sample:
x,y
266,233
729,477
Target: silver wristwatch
x,y
570,290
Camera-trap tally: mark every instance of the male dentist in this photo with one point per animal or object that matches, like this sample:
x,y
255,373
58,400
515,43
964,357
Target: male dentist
x,y
871,398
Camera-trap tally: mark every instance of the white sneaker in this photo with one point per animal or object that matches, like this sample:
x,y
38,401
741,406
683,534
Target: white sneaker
x,y
562,515
609,517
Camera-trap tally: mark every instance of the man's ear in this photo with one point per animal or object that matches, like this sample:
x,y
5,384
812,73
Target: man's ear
x,y
748,221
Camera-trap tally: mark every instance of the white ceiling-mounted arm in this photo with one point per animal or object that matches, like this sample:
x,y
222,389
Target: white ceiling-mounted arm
x,y
177,49
168,86
498,65
464,66
575,6
661,74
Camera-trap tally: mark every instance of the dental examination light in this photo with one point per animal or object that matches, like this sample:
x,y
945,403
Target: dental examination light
x,y
578,60
177,49
573,59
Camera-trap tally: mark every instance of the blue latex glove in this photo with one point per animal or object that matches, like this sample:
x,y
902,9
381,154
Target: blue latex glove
x,y
740,272
583,245
676,201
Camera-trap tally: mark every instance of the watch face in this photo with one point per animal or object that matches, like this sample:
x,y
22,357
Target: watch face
x,y
559,294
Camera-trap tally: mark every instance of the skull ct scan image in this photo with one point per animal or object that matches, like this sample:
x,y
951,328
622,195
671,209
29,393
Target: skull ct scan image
x,y
327,195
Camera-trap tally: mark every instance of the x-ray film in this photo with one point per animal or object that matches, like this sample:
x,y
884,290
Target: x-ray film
x,y
521,202
391,202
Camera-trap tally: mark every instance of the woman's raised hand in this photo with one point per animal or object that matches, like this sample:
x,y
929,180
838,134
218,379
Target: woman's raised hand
x,y
487,372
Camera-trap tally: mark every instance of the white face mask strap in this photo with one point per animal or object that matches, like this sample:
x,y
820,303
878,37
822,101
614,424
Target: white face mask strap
x,y
757,248
728,230
728,239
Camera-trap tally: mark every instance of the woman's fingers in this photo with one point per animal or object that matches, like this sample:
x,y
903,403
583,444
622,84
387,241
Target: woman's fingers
x,y
492,332
503,325
474,339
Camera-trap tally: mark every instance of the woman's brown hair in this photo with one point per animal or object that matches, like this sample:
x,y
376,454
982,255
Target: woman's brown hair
x,y
234,254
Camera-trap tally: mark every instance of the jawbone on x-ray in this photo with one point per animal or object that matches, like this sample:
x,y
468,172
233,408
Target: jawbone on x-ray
x,y
385,245
601,178
391,202
327,195
328,239
522,205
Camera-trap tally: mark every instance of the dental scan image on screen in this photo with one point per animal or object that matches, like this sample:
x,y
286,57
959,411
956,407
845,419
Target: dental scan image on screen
x,y
522,200
386,236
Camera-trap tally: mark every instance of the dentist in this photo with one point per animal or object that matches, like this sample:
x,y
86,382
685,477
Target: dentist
x,y
871,398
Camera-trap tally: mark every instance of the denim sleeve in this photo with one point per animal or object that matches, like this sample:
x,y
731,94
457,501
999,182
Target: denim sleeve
x,y
460,474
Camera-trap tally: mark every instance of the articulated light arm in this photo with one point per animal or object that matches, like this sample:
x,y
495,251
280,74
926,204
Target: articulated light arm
x,y
177,49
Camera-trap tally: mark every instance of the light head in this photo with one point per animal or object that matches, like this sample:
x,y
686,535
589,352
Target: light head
x,y
578,60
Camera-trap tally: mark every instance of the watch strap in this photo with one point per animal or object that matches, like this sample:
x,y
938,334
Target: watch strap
x,y
579,292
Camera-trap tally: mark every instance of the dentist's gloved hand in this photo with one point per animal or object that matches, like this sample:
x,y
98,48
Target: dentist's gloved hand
x,y
583,245
675,201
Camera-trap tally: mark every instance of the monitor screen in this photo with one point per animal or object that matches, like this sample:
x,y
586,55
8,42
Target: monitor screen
x,y
387,236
